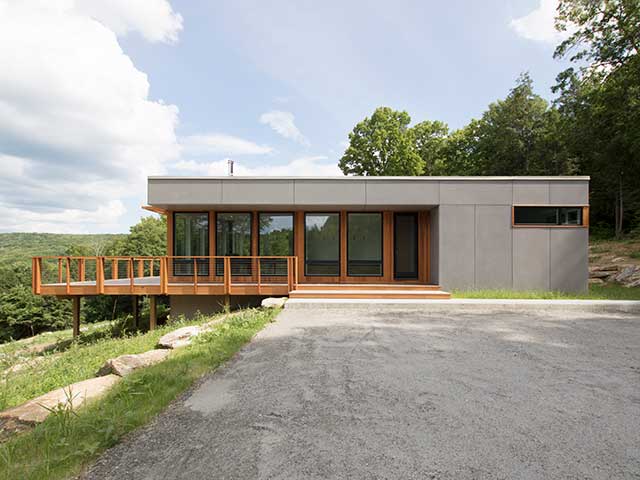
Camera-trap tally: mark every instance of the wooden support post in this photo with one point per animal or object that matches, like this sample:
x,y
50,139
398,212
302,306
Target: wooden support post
x,y
59,270
153,314
136,312
75,307
140,268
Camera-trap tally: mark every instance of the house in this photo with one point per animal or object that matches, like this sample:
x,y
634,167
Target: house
x,y
236,239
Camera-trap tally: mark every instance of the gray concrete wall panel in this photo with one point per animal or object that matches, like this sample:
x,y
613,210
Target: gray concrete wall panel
x,y
569,264
476,193
397,192
530,193
493,248
530,258
457,246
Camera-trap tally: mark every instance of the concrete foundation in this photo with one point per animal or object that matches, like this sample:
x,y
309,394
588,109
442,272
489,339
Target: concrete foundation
x,y
190,305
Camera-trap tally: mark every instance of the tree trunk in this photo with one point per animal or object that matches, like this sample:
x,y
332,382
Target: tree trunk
x,y
619,209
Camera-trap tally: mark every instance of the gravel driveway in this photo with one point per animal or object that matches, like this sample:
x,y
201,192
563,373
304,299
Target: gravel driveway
x,y
403,394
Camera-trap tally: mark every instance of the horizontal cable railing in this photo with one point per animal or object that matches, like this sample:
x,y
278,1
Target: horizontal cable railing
x,y
155,274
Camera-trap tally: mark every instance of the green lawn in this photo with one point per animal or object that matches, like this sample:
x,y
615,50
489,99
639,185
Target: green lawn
x,y
63,444
596,292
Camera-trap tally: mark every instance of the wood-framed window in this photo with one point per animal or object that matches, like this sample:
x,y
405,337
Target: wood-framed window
x,y
275,238
322,244
550,216
190,239
364,244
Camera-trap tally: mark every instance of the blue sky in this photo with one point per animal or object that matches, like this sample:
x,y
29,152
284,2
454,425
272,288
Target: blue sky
x,y
102,94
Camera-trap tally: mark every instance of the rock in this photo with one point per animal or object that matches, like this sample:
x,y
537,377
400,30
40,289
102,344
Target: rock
x,y
72,396
18,367
125,364
596,281
635,283
602,274
627,273
604,268
179,338
618,259
274,302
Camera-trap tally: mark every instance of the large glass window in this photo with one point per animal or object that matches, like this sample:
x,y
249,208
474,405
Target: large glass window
x,y
233,238
190,238
364,244
547,216
322,244
276,239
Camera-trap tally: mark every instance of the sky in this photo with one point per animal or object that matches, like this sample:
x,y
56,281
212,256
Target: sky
x,y
95,96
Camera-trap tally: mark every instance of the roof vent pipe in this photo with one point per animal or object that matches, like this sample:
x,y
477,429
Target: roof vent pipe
x,y
230,167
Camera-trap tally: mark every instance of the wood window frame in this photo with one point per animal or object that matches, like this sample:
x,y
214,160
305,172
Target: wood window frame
x,y
585,216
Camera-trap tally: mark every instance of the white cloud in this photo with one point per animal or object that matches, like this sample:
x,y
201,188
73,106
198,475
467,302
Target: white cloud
x,y
77,128
283,124
538,25
313,166
221,144
104,219
154,19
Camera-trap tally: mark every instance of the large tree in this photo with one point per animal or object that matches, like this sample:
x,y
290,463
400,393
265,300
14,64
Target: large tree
x,y
382,145
601,102
429,139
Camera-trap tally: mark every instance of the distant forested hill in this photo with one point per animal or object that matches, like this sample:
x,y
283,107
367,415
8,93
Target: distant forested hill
x,y
20,247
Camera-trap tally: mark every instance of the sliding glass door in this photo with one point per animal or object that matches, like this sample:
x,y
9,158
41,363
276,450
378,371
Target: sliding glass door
x,y
190,239
364,244
275,239
233,238
322,244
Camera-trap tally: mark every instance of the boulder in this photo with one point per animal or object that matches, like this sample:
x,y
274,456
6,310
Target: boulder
x,y
72,396
601,274
604,268
596,281
179,338
29,363
125,364
274,302
627,273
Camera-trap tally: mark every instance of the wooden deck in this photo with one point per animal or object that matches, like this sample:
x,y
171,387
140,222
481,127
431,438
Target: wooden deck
x,y
80,276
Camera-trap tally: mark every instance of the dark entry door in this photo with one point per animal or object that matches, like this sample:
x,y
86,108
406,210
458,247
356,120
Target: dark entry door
x,y
405,244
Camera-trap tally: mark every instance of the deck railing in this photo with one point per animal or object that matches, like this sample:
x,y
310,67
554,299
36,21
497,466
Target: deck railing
x,y
161,275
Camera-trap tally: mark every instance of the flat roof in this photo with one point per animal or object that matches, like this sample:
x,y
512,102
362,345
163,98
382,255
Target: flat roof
x,y
374,178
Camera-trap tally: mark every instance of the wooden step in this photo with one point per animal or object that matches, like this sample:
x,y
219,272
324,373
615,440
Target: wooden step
x,y
372,294
367,286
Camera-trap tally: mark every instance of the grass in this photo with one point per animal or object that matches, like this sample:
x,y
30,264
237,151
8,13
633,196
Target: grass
x,y
596,292
63,444
18,350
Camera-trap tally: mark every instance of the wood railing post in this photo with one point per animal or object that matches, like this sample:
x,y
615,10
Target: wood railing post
x,y
259,279
140,268
164,274
295,271
114,269
289,274
60,270
130,273
81,269
195,275
227,275
68,267
36,274
100,275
